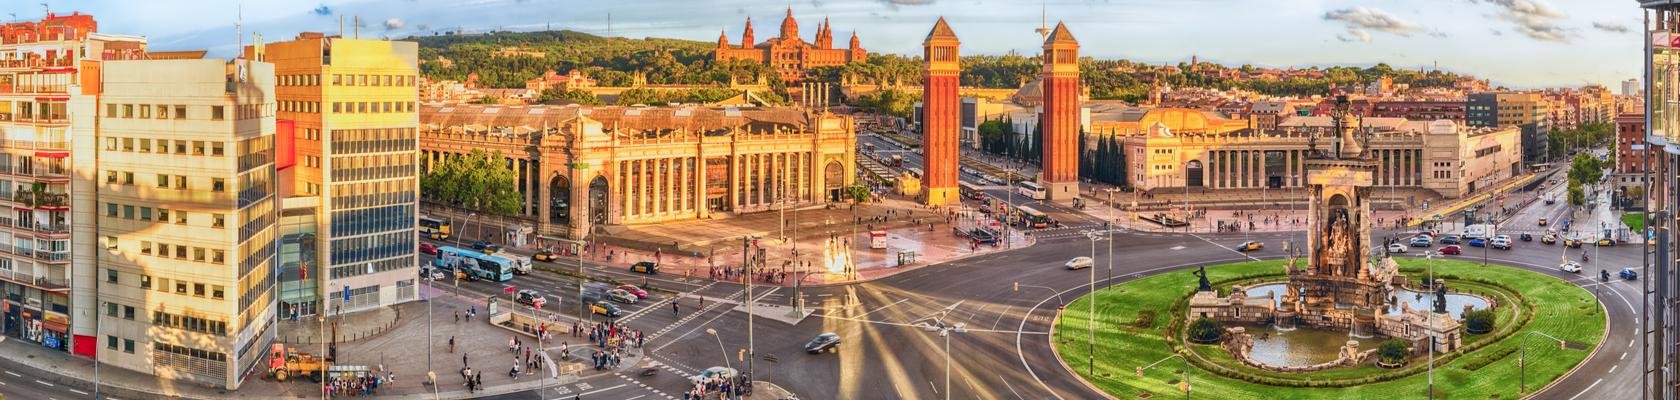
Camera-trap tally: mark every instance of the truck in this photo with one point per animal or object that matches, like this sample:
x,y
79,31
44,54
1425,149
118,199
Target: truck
x,y
1483,231
521,264
283,363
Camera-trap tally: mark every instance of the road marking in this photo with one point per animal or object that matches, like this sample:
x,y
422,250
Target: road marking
x,y
1624,356
78,392
637,396
1613,369
1001,315
13,374
45,383
1011,388
1630,342
883,307
1589,388
935,388
1180,247
600,390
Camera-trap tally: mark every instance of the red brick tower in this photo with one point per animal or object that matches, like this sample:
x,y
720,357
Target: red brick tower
x,y
1060,176
940,107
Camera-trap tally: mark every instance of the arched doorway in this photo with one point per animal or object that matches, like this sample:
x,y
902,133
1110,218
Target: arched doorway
x,y
560,200
1193,173
598,201
834,180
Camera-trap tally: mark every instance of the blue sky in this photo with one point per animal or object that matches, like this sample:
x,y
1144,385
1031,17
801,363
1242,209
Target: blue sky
x,y
1518,43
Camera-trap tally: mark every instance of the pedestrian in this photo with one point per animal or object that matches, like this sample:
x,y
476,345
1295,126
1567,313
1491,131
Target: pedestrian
x,y
457,316
674,309
463,359
452,344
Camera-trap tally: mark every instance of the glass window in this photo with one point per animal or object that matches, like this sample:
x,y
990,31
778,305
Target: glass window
x,y
145,111
180,181
217,113
128,178
128,213
146,280
111,210
217,184
111,274
180,112
110,144
216,292
111,341
163,181
128,345
110,111
110,176
198,289
198,147
216,149
145,248
128,111
111,309
180,287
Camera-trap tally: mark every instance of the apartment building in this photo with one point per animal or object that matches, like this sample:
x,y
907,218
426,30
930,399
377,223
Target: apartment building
x,y
185,211
351,199
45,280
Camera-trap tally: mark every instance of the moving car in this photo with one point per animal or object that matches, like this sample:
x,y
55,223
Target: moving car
x,y
645,267
1629,274
480,245
713,373
1451,249
1570,266
1548,238
1501,242
640,294
1572,242
1449,239
606,309
428,248
622,296
545,255
528,297
1250,246
825,342
1079,263
1607,242
1543,222
432,274
1397,248
1478,242
1420,242
1527,237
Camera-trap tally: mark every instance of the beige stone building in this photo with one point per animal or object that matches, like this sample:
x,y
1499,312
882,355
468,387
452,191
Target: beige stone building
x,y
185,216
644,165
1446,158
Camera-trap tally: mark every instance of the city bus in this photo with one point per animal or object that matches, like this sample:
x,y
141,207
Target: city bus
x,y
434,228
474,264
1030,189
1034,218
970,191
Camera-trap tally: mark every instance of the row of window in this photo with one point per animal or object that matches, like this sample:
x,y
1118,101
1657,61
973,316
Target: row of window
x,y
163,181
166,250
127,344
311,107
384,140
163,285
372,167
188,323
367,107
144,213
190,352
346,80
158,111
164,146
358,250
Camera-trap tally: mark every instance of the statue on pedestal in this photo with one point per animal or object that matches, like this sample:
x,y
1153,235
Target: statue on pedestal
x,y
1202,285
1440,297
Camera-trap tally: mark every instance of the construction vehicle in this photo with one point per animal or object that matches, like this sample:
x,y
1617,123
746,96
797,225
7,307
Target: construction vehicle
x,y
283,364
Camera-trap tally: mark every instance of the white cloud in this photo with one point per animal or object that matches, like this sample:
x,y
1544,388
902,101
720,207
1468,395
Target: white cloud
x,y
393,24
1360,20
1611,27
1533,18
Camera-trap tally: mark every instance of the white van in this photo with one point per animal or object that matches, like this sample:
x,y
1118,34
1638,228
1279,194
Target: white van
x,y
521,264
1079,263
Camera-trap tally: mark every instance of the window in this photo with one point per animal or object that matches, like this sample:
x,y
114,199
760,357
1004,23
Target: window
x,y
127,144
128,111
111,242
180,181
198,147
338,79
128,213
216,113
145,112
163,181
180,112
110,144
180,287
216,292
110,111
145,145
181,217
218,220
217,184
146,280
110,176
128,178
181,252
128,345
128,313
198,290
163,251
111,274
218,256
111,341
111,310
337,106
145,213
163,284
111,210
216,149
163,215
180,147
198,255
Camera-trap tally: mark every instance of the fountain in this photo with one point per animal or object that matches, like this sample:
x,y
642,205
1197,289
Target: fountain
x,y
1341,298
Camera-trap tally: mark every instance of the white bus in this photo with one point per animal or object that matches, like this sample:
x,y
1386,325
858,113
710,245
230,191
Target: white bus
x,y
1030,189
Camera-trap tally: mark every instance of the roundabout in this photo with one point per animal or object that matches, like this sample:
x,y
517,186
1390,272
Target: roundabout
x,y
1142,348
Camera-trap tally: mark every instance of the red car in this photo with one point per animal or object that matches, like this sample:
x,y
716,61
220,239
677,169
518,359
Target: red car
x,y
638,292
1450,249
428,248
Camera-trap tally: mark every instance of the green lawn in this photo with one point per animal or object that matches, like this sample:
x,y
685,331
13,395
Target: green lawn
x,y
1563,310
1635,221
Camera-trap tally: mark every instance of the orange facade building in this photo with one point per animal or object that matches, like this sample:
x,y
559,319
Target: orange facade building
x,y
790,55
1061,115
940,115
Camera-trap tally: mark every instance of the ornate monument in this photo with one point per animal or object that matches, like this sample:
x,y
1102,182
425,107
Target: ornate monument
x,y
1342,284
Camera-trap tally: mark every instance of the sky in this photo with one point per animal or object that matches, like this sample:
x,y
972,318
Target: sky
x,y
1516,43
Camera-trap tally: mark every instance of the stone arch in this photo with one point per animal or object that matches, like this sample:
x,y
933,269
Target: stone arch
x,y
560,200
834,180
1193,173
598,193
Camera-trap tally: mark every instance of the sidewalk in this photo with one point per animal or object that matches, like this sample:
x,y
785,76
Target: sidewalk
x,y
400,350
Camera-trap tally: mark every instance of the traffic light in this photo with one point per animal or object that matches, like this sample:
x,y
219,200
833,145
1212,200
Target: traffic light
x,y
1563,345
1185,386
741,355
1140,372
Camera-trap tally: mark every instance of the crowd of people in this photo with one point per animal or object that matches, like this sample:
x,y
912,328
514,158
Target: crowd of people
x,y
356,384
719,388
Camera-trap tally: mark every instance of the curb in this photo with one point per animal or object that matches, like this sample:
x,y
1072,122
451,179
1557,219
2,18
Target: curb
x,y
1051,340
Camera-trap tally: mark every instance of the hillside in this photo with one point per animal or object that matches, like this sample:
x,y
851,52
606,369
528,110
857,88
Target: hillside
x,y
507,59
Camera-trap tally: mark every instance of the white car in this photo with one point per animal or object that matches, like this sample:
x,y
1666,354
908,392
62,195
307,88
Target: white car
x,y
1570,266
1079,263
1397,248
712,373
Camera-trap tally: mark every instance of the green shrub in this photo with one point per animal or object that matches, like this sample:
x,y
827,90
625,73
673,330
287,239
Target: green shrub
x,y
1206,330
1479,321
1393,351
1145,319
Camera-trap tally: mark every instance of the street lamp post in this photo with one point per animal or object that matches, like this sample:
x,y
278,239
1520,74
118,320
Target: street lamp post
x,y
431,374
1109,281
582,308
1090,322
944,330
1429,257
724,353
1522,359
1186,370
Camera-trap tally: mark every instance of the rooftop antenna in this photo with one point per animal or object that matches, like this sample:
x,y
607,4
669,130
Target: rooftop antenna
x,y
609,24
14,16
46,9
239,29
1043,21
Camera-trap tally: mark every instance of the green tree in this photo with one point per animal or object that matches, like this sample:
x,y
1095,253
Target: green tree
x,y
641,96
1479,321
858,193
1393,351
1577,196
1206,330
579,96
479,181
1585,168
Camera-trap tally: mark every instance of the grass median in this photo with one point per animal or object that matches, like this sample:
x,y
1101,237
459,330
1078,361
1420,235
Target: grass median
x,y
1134,318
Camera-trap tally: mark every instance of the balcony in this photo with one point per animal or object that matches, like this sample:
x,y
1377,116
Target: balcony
x,y
33,199
36,281
53,256
55,229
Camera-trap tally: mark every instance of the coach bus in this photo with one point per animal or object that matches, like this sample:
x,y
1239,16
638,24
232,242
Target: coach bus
x,y
970,191
1034,218
1030,189
474,264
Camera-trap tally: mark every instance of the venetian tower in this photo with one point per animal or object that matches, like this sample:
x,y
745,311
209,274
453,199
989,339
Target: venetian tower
x,y
940,109
1340,286
1060,77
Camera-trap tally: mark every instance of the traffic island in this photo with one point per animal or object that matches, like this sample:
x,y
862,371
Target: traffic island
x,y
1143,348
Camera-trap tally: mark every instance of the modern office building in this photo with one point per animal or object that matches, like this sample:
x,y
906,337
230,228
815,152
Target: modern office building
x,y
184,209
1662,126
48,288
347,108
1529,112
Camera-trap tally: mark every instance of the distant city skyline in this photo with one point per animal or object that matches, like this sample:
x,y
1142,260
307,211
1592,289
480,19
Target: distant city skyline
x,y
1515,43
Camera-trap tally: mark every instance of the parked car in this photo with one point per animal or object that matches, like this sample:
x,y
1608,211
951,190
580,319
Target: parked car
x,y
1629,274
1420,242
1397,248
1449,239
622,296
1079,263
428,248
1451,249
723,373
1478,242
1250,246
645,267
640,294
825,342
1570,266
